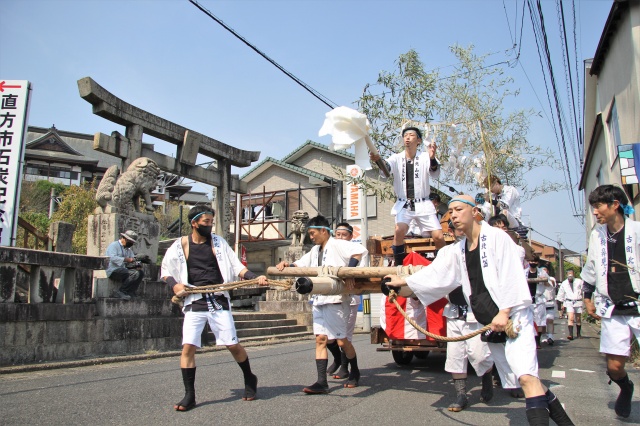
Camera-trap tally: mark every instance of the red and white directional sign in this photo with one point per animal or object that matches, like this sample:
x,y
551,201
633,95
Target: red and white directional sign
x,y
14,109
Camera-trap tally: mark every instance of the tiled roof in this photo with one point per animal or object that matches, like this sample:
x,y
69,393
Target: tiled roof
x,y
288,166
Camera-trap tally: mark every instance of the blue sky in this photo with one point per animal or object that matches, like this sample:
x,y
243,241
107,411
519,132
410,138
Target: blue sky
x,y
167,57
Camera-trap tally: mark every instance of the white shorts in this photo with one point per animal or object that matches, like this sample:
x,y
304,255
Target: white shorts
x,y
351,321
425,223
540,314
221,323
474,350
518,356
551,313
615,335
331,320
572,309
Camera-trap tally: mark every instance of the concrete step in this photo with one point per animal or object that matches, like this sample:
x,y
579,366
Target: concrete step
x,y
104,287
257,316
265,323
283,336
283,306
113,307
248,291
46,312
282,295
271,331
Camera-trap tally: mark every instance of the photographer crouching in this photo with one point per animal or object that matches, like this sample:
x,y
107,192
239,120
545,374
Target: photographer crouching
x,y
125,266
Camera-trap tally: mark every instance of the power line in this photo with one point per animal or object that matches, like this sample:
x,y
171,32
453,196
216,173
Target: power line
x,y
308,88
547,54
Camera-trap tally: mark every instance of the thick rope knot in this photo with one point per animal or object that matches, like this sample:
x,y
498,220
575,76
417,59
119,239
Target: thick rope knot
x,y
510,330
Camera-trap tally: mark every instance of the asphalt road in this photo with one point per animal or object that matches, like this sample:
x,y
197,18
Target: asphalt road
x,y
143,392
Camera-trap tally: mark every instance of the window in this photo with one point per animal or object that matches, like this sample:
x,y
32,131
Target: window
x,y
614,128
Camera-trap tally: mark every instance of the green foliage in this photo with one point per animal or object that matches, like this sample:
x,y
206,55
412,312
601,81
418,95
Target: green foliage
x,y
168,215
77,204
406,95
36,196
473,93
40,221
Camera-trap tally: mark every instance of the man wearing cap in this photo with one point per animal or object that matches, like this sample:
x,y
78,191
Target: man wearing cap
x,y
199,259
330,313
611,275
411,172
489,270
123,266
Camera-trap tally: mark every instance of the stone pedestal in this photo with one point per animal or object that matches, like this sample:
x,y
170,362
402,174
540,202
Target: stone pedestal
x,y
106,228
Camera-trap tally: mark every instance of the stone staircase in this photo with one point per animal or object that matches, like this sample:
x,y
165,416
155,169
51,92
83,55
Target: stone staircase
x,y
150,323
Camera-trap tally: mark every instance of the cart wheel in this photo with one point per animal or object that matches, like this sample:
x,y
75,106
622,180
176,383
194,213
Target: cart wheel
x,y
401,357
422,355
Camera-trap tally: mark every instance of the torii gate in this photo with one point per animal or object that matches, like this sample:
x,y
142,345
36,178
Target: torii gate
x,y
188,145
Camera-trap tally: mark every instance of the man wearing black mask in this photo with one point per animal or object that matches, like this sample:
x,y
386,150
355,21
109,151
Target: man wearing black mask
x,y
123,266
199,259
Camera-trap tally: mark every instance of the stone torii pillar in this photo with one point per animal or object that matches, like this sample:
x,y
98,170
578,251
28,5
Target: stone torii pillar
x,y
188,143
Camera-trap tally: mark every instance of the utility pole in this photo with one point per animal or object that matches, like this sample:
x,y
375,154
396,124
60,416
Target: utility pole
x,y
560,260
52,202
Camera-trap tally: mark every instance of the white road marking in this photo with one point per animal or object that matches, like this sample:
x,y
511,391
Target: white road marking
x,y
582,371
558,374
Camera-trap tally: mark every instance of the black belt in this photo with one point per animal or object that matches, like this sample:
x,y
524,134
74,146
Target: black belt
x,y
415,200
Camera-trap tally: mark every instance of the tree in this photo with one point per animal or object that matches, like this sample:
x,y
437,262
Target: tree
x,y
475,136
407,95
36,196
77,204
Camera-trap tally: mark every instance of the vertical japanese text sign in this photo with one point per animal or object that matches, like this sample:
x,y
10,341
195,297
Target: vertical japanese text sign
x,y
14,108
354,194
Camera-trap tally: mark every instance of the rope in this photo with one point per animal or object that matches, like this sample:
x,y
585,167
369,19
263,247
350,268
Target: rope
x,y
509,329
284,284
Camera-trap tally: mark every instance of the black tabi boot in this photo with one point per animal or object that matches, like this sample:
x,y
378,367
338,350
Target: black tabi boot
x,y
538,346
578,328
343,373
537,410
189,400
399,254
556,411
321,385
461,395
486,394
570,336
354,376
623,403
250,381
335,351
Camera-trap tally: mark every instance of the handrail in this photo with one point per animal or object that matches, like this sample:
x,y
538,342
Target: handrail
x,y
29,229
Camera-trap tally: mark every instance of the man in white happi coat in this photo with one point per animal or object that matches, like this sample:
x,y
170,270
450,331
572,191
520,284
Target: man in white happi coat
x,y
538,302
505,199
550,306
330,313
203,258
344,231
411,172
612,273
460,322
487,266
570,294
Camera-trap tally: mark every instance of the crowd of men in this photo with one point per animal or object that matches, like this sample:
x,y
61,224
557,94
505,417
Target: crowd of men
x,y
483,274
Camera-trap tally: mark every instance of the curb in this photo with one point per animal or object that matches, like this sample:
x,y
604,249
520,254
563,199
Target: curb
x,y
140,357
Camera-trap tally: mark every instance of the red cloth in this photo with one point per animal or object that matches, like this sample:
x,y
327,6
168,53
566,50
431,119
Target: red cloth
x,y
396,327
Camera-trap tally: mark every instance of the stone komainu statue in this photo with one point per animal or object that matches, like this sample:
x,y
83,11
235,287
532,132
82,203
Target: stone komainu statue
x,y
299,227
123,193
